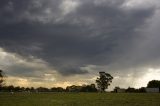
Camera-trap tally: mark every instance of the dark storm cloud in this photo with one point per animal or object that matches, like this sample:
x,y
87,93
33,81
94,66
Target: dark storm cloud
x,y
95,33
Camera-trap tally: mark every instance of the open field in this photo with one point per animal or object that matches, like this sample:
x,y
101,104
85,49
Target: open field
x,y
79,99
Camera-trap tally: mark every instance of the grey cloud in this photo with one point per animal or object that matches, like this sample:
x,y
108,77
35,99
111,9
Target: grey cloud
x,y
13,11
96,33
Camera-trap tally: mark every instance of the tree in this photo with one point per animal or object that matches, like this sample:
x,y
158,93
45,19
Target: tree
x,y
131,90
142,90
88,88
153,84
57,89
116,89
1,78
103,81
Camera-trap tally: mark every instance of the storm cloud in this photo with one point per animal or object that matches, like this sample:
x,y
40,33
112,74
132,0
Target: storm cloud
x,y
70,36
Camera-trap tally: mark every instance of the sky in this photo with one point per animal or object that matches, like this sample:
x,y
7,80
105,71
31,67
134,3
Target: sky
x,y
54,43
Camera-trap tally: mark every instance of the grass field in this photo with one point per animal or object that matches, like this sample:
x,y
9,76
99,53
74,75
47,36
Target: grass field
x,y
79,99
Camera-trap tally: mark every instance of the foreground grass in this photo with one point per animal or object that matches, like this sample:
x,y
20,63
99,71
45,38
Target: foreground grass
x,y
79,99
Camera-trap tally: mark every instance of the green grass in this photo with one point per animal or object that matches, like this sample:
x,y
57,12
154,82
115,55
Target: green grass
x,y
79,99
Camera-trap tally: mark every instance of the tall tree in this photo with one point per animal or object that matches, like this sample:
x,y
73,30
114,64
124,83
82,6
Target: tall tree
x,y
153,84
1,78
103,81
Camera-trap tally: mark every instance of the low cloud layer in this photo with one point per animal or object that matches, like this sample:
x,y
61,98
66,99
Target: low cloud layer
x,y
80,37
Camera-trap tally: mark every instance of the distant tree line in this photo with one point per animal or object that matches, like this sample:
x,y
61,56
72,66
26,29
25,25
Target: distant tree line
x,y
103,81
73,88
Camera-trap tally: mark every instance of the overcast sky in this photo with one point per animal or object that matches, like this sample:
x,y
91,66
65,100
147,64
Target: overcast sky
x,y
64,42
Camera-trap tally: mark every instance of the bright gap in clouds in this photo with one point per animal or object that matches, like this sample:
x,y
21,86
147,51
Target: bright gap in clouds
x,y
68,6
151,74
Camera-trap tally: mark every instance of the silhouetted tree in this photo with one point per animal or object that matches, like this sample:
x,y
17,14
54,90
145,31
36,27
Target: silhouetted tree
x,y
131,90
1,78
32,89
10,88
142,90
88,88
83,88
103,81
73,88
43,89
17,89
27,89
57,89
116,89
22,88
153,84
